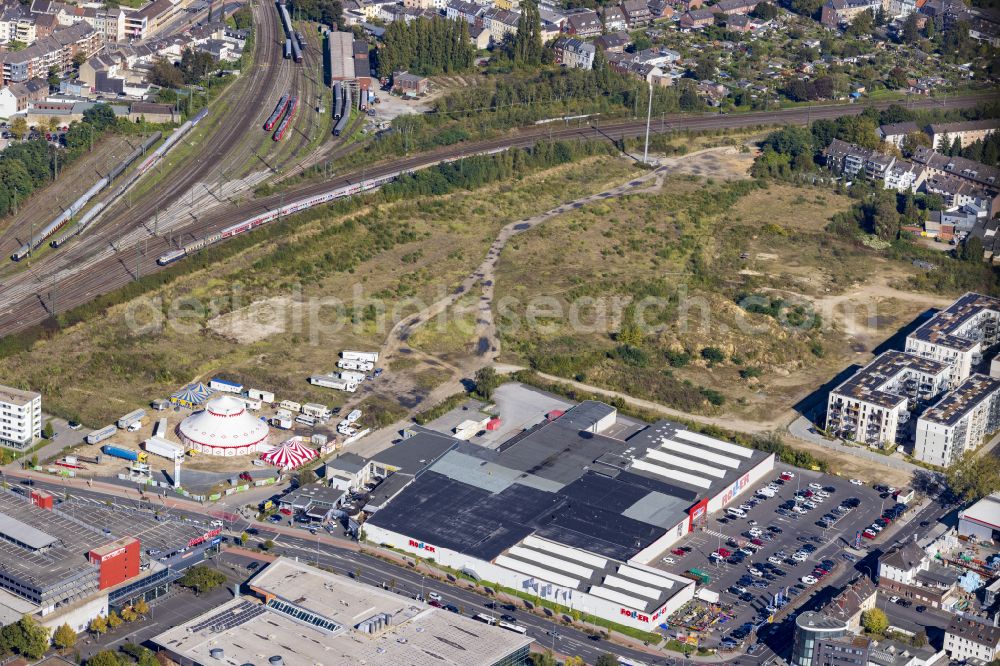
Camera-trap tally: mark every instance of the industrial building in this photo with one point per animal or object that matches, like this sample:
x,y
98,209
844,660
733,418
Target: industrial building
x,y
874,405
569,514
61,565
982,519
20,418
301,615
821,641
959,422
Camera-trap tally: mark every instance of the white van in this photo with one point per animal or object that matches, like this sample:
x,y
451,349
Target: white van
x,y
736,513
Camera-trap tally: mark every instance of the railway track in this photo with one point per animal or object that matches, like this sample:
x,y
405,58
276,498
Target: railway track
x,y
32,298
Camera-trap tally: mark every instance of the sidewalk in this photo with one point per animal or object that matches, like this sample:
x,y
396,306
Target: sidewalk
x,y
800,428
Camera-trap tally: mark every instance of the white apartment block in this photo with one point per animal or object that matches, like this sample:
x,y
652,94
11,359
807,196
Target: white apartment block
x,y
967,639
20,418
959,335
873,406
959,422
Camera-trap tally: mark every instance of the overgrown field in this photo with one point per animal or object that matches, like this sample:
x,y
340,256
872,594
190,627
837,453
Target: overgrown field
x,y
707,297
281,308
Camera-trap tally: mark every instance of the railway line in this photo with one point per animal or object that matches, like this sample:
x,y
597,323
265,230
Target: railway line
x,y
31,298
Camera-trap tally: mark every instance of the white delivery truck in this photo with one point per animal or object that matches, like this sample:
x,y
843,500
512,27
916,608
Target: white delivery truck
x,y
263,396
371,357
161,447
130,418
290,406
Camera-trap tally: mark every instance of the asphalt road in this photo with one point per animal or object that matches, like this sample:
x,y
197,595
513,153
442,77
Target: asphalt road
x,y
32,297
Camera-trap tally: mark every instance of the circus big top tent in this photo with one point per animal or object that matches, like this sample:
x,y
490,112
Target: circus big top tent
x,y
291,453
224,428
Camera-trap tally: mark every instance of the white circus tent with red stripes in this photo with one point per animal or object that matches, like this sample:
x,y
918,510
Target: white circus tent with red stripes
x,y
289,454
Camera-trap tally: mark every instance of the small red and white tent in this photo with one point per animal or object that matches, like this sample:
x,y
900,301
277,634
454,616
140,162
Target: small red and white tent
x,y
291,453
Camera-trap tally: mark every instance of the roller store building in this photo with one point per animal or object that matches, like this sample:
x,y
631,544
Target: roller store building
x,y
570,514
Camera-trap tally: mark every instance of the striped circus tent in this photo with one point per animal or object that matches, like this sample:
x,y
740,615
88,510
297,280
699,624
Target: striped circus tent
x,y
289,454
191,395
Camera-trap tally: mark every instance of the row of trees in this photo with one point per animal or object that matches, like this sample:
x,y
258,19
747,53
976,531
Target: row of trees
x,y
426,47
328,12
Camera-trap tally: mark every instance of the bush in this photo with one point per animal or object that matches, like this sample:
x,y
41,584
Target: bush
x,y
713,355
678,359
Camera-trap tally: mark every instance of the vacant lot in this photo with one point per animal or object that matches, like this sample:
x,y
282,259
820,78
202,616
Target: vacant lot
x,y
280,311
708,297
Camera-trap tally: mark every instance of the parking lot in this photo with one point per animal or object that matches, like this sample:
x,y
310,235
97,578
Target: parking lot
x,y
784,547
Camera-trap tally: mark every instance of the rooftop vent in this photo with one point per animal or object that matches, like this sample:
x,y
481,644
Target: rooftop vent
x,y
276,660
217,653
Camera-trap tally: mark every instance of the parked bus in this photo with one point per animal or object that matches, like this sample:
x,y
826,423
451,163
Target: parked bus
x,y
485,618
512,627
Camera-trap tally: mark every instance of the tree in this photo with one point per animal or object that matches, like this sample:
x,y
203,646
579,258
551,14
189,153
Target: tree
x,y
244,537
164,74
862,25
53,78
105,658
527,45
910,33
48,430
64,637
98,625
25,637
764,11
101,117
19,127
973,477
267,545
129,614
79,59
305,477
544,659
486,380
141,607
608,659
875,621
920,640
915,140
114,620
201,578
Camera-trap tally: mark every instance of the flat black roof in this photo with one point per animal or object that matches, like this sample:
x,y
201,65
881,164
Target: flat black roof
x,y
416,453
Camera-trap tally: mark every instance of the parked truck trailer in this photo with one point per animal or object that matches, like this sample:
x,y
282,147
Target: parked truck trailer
x,y
123,452
164,448
101,435
130,418
326,381
371,357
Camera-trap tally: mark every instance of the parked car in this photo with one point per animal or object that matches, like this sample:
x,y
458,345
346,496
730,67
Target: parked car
x,y
809,580
857,482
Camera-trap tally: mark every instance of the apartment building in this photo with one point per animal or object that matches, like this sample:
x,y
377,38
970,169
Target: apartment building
x,y
842,12
874,406
967,132
20,418
967,639
959,422
55,51
959,335
574,53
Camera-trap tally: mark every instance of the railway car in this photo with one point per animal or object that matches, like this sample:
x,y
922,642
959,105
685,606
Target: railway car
x,y
279,110
301,39
288,49
296,51
21,252
337,101
279,133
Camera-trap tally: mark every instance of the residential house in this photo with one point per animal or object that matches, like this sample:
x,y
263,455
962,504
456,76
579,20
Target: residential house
x,y
613,42
847,606
967,132
479,36
658,56
16,97
466,11
696,19
896,132
713,93
904,176
637,13
739,23
614,18
985,28
852,160
583,24
688,5
957,191
661,9
346,471
836,13
574,53
967,639
733,7
971,170
499,22
17,24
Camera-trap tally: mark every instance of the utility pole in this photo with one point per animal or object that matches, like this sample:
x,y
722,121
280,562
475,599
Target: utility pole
x,y
649,114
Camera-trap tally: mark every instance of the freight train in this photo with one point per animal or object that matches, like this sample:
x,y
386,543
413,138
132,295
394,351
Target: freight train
x,y
279,133
272,215
295,43
77,205
279,110
336,101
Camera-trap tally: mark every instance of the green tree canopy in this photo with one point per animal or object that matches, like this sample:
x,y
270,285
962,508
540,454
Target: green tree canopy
x,y
25,637
64,637
202,578
875,621
105,658
973,477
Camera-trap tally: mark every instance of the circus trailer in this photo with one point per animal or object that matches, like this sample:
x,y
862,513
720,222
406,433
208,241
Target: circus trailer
x,y
263,396
283,424
290,406
316,410
371,357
